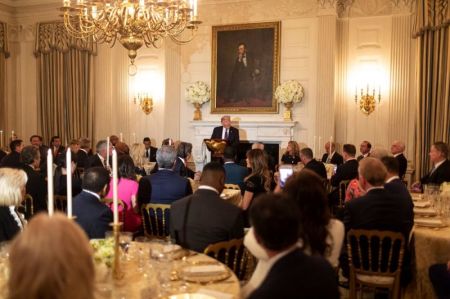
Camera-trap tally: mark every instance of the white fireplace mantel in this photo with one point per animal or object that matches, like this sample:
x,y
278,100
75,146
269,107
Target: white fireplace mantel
x,y
280,132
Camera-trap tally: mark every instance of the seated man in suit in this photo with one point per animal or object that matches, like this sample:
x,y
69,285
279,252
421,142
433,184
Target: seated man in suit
x,y
346,171
150,151
184,152
205,218
12,160
397,149
335,157
226,131
99,159
84,152
292,273
441,165
56,147
165,186
36,141
378,209
307,158
440,278
364,148
91,214
234,173
36,185
393,182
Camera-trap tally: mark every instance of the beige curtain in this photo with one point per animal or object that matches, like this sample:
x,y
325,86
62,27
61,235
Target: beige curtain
x,y
65,83
433,78
4,54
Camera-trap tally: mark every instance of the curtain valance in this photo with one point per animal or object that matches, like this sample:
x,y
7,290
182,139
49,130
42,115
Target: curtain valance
x,y
431,15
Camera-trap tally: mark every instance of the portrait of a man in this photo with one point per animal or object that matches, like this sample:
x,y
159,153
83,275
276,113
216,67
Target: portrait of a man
x,y
245,68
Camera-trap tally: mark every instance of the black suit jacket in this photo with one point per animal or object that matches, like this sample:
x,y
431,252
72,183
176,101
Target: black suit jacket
x,y
82,159
152,157
2,154
440,175
94,161
12,160
8,225
92,215
402,165
297,275
182,169
37,188
165,186
336,159
397,187
317,167
206,218
346,171
233,135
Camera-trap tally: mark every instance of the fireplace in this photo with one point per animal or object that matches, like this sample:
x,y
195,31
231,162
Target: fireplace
x,y
272,148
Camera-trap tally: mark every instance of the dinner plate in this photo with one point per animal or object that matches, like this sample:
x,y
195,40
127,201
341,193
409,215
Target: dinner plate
x,y
204,272
429,222
425,211
422,204
191,296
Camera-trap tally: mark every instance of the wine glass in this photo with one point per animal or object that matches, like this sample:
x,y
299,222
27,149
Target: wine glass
x,y
125,239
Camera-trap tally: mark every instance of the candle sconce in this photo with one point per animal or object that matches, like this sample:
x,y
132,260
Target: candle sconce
x,y
145,102
367,101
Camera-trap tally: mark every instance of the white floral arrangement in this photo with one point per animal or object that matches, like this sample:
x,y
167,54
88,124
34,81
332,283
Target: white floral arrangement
x,y
103,251
289,92
198,93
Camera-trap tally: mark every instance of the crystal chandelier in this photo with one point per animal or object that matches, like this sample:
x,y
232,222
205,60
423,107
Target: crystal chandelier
x,y
133,22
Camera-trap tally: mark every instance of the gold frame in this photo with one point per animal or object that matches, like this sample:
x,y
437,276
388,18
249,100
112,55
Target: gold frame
x,y
275,68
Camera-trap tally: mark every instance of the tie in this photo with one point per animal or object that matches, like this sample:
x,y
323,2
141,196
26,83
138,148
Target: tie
x,y
226,134
328,159
147,153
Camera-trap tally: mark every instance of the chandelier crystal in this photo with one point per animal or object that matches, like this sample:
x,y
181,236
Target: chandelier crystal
x,y
133,23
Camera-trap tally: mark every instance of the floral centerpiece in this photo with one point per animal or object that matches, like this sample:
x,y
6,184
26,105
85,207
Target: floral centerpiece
x,y
198,94
288,93
103,256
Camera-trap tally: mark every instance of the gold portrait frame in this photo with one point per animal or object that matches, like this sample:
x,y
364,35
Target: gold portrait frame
x,y
263,37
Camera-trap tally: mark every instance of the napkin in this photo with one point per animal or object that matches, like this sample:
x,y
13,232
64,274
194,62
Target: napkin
x,y
171,248
424,211
215,294
428,222
204,270
422,204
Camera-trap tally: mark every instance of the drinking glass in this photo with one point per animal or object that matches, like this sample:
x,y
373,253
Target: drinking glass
x,y
125,239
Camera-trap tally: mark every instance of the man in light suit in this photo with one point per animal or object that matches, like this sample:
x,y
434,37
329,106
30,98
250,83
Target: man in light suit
x,y
165,186
226,132
397,149
234,173
205,218
91,214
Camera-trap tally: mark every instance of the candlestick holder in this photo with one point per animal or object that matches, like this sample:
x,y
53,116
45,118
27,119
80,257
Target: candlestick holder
x,y
117,273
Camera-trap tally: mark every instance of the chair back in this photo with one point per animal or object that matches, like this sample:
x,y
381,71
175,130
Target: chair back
x,y
121,206
375,260
342,189
232,186
60,203
233,254
155,219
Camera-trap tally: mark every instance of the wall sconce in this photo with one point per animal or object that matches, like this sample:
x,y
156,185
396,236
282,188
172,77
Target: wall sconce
x,y
145,102
367,101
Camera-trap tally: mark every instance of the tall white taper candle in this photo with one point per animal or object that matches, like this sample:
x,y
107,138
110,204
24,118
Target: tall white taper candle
x,y
107,151
50,181
115,181
69,182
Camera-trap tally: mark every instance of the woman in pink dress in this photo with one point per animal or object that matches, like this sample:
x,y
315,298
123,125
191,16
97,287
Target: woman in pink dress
x,y
127,189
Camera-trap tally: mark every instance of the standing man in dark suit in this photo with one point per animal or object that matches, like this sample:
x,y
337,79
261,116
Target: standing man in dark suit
x,y
57,147
226,132
364,148
12,160
307,158
36,185
441,166
36,141
335,158
378,209
150,151
84,152
292,274
348,170
234,173
397,149
165,186
99,159
205,218
91,214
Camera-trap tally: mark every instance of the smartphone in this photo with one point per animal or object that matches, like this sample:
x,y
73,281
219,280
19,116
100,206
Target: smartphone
x,y
285,172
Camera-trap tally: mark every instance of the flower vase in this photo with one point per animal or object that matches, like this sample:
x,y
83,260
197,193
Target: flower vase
x,y
288,111
197,112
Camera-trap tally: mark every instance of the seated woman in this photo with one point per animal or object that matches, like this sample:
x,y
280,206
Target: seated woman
x,y
292,154
12,191
137,153
257,182
60,177
127,189
63,256
319,234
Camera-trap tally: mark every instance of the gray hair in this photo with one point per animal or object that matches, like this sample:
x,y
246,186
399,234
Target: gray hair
x,y
165,156
379,153
100,145
12,181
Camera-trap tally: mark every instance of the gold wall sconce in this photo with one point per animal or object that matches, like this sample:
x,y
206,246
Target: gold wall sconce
x,y
367,100
145,103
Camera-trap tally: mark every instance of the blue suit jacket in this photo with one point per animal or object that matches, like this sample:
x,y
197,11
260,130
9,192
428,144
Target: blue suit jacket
x,y
92,215
164,186
235,174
